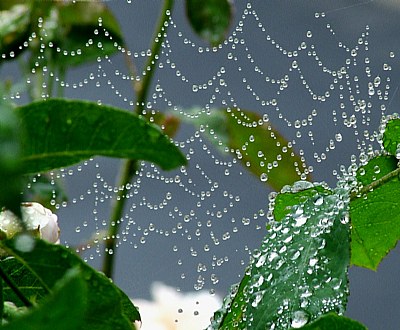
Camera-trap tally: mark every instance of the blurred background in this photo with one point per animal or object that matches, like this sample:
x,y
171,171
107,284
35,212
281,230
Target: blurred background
x,y
324,72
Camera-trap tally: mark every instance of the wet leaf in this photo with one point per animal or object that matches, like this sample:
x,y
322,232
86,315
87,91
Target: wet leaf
x,y
332,321
106,305
10,181
233,307
63,310
294,195
391,137
300,271
261,148
375,216
63,132
210,19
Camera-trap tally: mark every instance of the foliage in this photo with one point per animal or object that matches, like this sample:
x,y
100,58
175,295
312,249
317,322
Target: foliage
x,y
267,154
298,276
9,159
210,18
89,130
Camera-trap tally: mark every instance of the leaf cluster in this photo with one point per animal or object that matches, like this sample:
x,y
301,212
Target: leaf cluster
x,y
298,277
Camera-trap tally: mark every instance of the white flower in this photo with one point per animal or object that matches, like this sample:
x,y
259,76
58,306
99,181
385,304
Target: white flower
x,y
172,310
36,218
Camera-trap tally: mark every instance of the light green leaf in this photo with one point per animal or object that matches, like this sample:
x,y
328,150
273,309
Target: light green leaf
x,y
261,148
210,19
14,28
294,195
10,181
391,137
332,321
375,216
107,307
63,132
63,310
300,271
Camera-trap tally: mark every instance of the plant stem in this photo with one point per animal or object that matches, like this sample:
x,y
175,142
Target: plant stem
x,y
10,282
375,184
129,167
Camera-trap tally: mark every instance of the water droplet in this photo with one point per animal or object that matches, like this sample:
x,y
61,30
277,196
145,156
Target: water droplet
x,y
24,243
299,319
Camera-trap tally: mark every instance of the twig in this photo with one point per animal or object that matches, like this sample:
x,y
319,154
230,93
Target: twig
x,y
375,184
129,167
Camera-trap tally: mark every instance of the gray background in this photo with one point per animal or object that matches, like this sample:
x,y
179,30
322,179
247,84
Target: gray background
x,y
374,295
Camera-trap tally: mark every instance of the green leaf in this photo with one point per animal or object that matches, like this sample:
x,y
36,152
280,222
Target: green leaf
x,y
231,314
63,310
261,148
210,19
1,300
10,181
14,28
75,26
128,309
70,30
300,271
63,132
294,195
332,321
107,308
391,137
375,216
29,284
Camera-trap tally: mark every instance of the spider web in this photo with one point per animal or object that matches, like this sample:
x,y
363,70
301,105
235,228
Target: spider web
x,y
323,72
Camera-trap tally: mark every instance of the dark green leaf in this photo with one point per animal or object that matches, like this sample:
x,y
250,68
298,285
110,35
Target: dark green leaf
x,y
61,133
10,181
210,19
332,321
128,309
1,299
375,216
75,27
70,30
262,149
29,284
300,271
107,307
391,137
63,310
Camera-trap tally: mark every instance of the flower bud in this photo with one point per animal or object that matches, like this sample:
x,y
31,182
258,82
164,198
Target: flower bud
x,y
36,217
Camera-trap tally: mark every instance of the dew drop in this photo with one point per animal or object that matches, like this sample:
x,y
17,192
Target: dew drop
x,y
299,319
24,243
264,177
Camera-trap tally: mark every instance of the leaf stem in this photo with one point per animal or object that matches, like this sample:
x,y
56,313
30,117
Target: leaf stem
x,y
10,282
374,184
150,66
129,167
